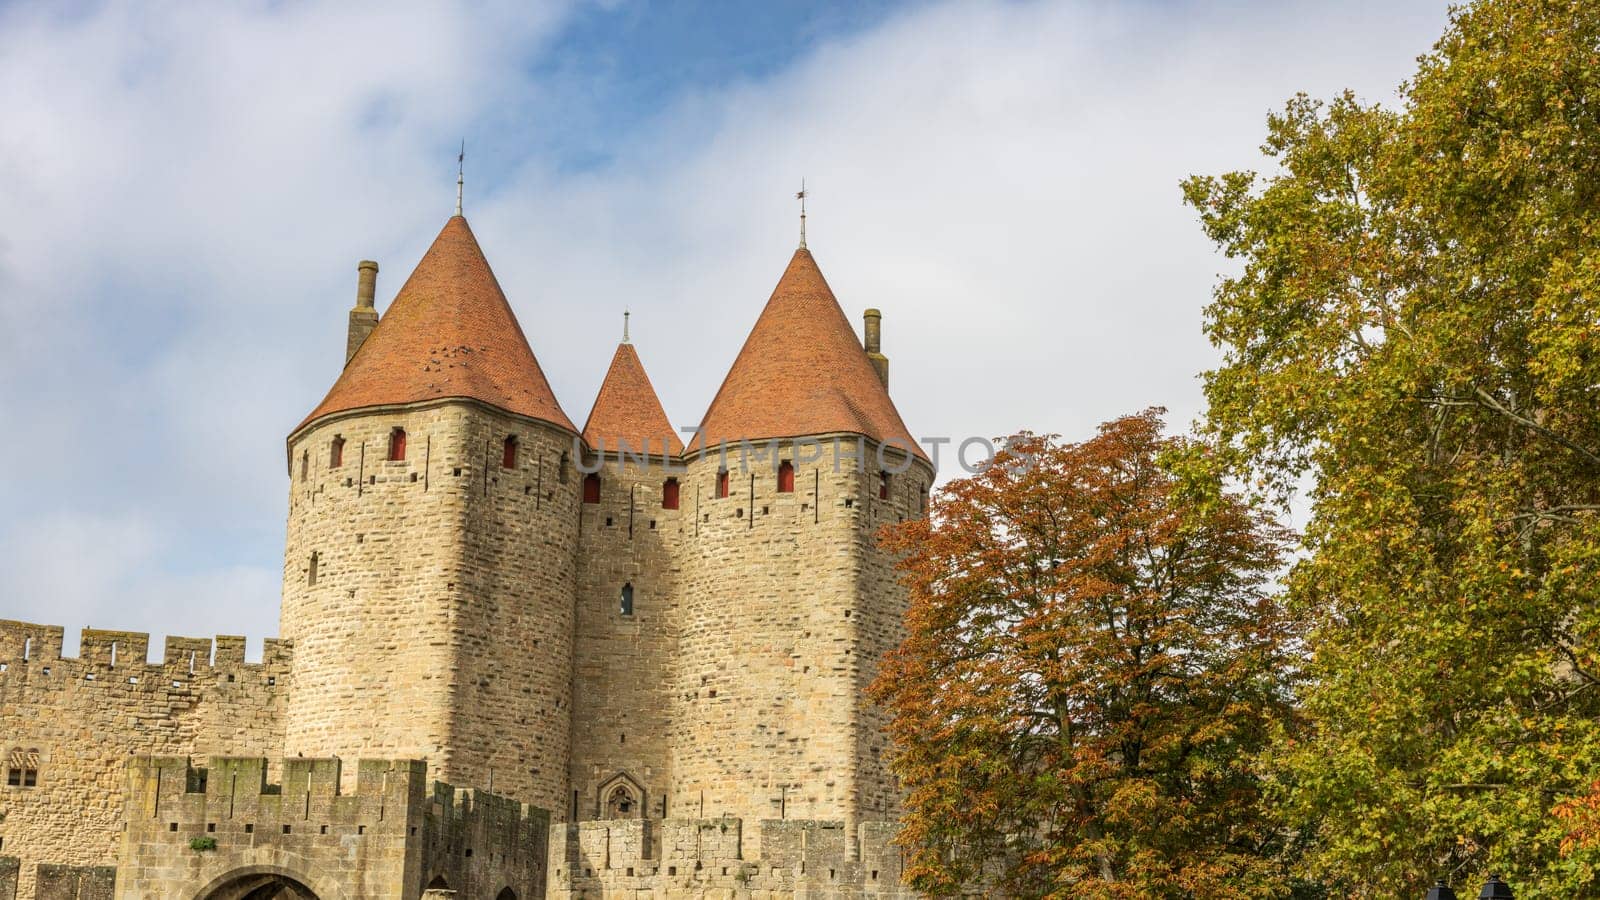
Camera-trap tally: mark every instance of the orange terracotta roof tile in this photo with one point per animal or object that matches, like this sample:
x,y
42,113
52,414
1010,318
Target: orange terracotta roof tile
x,y
448,333
627,410
802,371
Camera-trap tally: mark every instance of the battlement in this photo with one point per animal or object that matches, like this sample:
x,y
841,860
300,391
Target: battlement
x,y
188,825
490,823
690,856
30,648
231,795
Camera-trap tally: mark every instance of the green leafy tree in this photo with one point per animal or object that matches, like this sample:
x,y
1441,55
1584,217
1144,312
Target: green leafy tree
x,y
1094,659
1414,328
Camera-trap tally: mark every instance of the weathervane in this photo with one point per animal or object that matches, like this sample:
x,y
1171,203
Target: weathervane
x,y
625,325
802,198
461,163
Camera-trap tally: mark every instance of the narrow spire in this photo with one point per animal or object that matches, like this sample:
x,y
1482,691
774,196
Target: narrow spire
x,y
802,198
625,326
461,164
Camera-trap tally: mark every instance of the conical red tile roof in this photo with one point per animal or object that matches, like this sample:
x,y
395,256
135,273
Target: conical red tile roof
x,y
627,410
448,333
803,372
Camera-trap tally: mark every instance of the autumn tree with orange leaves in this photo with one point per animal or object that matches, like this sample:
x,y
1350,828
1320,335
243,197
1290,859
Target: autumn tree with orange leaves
x,y
1094,659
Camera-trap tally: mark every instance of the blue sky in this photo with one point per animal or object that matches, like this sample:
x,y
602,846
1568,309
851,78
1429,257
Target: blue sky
x,y
185,190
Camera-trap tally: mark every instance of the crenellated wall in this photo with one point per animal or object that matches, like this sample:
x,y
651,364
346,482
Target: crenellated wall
x,y
74,721
439,621
192,831
714,858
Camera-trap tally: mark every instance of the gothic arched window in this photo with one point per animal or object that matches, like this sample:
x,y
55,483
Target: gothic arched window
x,y
786,477
722,483
397,444
591,487
508,457
669,494
336,452
620,803
626,604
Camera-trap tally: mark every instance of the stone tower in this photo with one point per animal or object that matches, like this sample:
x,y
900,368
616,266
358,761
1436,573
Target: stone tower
x,y
429,568
632,527
785,601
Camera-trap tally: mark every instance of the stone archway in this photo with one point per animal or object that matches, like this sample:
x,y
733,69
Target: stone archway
x,y
258,885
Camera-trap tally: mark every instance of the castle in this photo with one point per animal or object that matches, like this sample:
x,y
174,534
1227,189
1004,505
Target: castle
x,y
517,659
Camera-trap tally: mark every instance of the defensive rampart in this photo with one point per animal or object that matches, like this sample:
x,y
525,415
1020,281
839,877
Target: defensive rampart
x,y
685,858
69,724
218,830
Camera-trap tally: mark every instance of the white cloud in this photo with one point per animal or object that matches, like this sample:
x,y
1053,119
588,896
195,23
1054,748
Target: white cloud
x,y
1001,179
188,189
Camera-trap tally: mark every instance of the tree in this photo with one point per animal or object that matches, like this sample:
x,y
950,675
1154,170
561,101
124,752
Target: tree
x,y
1414,329
1093,659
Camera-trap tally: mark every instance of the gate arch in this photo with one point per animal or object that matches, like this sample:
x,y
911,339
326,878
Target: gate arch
x,y
258,883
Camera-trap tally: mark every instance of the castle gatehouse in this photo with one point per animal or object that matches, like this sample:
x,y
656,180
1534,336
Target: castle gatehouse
x,y
516,658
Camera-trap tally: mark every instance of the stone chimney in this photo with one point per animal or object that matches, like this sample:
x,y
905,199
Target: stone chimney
x,y
874,335
364,317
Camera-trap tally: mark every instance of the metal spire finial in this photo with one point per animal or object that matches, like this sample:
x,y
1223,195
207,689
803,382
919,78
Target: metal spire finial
x,y
625,326
461,164
802,198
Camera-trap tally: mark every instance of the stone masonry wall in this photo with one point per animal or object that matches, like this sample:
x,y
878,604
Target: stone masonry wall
x,y
880,624
75,721
373,619
785,609
439,621
225,828
514,612
622,662
700,858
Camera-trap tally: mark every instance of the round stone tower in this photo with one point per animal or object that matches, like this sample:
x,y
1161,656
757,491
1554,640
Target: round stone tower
x,y
786,602
432,543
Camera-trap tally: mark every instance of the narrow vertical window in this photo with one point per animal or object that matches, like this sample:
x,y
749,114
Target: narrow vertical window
x,y
311,569
669,494
786,477
883,485
566,463
397,444
722,483
336,452
627,599
922,504
591,487
305,463
508,459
